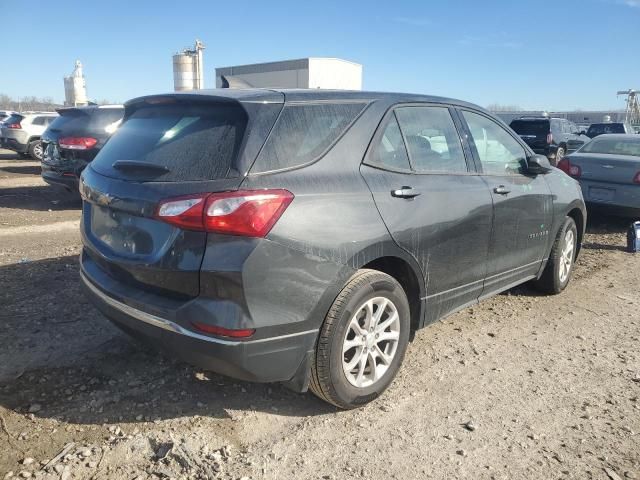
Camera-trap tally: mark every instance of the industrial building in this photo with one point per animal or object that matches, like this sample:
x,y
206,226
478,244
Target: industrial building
x,y
327,73
75,88
188,68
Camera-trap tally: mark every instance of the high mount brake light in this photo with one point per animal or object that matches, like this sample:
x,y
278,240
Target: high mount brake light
x,y
250,213
77,143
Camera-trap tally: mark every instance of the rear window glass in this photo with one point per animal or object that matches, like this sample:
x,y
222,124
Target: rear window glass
x,y
614,146
15,118
602,128
187,142
531,127
96,120
304,132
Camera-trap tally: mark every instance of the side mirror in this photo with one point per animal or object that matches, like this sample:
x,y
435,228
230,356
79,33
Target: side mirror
x,y
538,164
582,132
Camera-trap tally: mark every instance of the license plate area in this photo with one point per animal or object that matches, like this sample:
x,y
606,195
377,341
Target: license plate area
x,y
598,194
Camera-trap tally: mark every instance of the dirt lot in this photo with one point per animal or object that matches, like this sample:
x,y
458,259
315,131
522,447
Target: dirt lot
x,y
551,385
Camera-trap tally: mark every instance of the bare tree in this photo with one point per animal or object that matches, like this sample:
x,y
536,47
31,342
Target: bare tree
x,y
23,104
496,107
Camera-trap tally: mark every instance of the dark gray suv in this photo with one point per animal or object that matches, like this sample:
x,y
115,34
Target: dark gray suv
x,y
303,236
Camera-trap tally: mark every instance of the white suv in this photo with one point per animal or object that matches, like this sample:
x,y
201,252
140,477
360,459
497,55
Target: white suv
x,y
21,132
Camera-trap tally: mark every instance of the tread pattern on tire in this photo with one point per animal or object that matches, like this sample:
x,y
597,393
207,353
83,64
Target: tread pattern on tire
x,y
320,374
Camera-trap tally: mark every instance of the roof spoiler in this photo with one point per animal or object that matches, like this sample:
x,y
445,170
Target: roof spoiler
x,y
229,81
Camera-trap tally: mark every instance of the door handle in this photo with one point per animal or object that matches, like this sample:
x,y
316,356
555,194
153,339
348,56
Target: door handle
x,y
502,190
404,192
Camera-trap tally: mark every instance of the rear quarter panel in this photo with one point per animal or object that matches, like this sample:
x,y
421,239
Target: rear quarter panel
x,y
331,229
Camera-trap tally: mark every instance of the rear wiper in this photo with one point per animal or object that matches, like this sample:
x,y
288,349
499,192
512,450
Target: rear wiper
x,y
134,164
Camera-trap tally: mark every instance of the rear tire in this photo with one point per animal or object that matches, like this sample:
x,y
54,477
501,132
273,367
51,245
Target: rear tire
x,y
559,154
35,150
557,272
362,341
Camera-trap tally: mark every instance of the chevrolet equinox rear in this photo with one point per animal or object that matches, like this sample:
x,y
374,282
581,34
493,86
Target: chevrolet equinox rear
x,y
302,236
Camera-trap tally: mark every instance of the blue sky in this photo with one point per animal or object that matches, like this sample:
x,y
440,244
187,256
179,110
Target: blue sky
x,y
539,54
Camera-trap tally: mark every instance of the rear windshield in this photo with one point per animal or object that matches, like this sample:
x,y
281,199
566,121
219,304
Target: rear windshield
x,y
188,143
614,146
15,118
304,132
602,128
97,120
531,127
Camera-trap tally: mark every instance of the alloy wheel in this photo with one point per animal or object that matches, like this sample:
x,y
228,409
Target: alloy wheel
x,y
37,151
566,256
370,342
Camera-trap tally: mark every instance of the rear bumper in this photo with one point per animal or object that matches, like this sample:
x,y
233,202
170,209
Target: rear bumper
x,y
625,198
282,358
69,181
14,144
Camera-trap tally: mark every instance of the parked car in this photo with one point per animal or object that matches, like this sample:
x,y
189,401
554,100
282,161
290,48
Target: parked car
x,y
552,137
74,139
302,236
596,129
608,169
21,132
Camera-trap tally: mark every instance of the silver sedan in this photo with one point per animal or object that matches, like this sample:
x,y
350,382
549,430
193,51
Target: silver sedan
x,y
608,169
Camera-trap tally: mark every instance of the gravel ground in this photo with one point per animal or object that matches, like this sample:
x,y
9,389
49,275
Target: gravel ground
x,y
521,386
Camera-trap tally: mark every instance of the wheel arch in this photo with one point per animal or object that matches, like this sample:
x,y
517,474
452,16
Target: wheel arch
x,y
577,215
408,274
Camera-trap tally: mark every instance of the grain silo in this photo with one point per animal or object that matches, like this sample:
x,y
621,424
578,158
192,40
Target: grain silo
x,y
188,73
75,88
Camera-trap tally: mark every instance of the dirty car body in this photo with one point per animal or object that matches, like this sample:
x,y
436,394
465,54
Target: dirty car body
x,y
251,305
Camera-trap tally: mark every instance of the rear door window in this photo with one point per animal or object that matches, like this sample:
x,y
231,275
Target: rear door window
x,y
304,132
432,139
389,151
177,142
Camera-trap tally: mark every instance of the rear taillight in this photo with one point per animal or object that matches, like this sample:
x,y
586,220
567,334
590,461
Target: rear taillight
x,y
549,138
636,179
224,332
250,213
567,167
77,143
14,125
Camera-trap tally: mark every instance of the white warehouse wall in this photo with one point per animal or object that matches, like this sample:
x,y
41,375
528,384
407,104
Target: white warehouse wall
x,y
334,73
326,73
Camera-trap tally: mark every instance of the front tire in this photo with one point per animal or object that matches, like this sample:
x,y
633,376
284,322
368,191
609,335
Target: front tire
x,y
362,341
559,268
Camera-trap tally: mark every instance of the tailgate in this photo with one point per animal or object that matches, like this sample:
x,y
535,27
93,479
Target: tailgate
x,y
166,147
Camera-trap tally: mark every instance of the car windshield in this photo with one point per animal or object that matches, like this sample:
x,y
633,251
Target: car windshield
x,y
186,142
602,128
15,118
613,146
530,127
98,120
